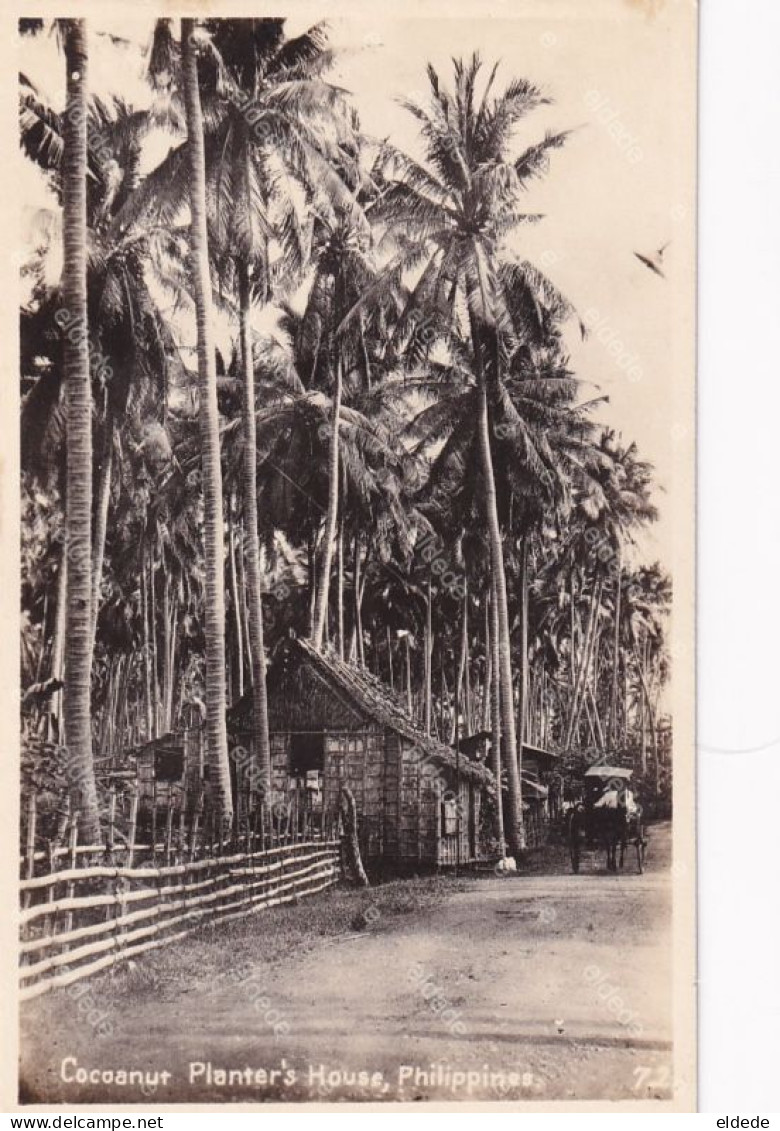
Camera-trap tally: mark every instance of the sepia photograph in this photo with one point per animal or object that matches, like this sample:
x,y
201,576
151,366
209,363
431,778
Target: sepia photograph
x,y
356,418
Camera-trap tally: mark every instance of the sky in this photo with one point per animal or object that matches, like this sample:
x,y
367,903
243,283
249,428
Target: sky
x,y
618,73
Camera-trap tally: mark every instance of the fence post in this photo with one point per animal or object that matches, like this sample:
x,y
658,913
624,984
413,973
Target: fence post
x,y
49,922
110,859
111,819
72,861
219,867
169,832
119,908
133,827
32,820
235,828
154,821
182,839
194,827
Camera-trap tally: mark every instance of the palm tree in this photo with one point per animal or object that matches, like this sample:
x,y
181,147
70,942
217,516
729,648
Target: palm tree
x,y
216,702
343,270
265,126
540,436
613,501
455,211
648,599
76,571
77,705
366,412
294,432
630,507
128,333
269,117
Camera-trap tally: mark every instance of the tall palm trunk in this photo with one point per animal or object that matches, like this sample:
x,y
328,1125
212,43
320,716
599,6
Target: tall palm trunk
x,y
642,727
597,727
360,583
44,638
116,737
147,645
340,592
487,692
573,637
408,659
323,589
573,734
461,704
645,692
613,703
467,684
166,655
155,650
171,660
311,563
543,711
444,693
495,724
522,736
58,646
260,736
236,602
584,666
240,575
354,650
101,513
516,831
429,657
78,721
216,724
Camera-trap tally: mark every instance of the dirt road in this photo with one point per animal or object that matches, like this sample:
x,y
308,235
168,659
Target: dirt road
x,y
548,987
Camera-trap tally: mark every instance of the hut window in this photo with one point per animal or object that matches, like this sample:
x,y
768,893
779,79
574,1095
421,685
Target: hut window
x,y
449,817
169,765
307,752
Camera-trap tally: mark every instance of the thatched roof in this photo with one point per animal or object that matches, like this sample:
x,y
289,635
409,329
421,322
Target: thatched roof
x,y
474,741
372,699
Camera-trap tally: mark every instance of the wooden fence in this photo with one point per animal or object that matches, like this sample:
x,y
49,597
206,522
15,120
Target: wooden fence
x,y
88,907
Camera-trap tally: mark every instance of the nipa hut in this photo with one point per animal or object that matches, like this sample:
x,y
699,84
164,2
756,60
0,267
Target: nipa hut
x,y
332,724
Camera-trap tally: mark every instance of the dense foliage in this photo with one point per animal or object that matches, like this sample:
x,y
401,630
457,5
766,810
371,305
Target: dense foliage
x,y
410,472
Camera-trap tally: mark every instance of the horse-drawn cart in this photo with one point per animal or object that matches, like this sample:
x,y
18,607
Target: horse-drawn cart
x,y
607,816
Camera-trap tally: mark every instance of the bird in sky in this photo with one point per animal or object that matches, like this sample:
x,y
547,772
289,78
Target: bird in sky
x,y
654,261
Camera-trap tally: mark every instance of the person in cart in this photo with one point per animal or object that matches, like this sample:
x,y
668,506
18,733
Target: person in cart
x,y
610,788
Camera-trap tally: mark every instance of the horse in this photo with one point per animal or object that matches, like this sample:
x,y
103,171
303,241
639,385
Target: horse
x,y
606,822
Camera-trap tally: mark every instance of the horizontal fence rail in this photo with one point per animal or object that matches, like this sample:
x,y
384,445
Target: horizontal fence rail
x,y
80,920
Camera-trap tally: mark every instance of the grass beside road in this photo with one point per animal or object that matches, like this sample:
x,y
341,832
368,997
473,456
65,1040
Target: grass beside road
x,y
273,935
